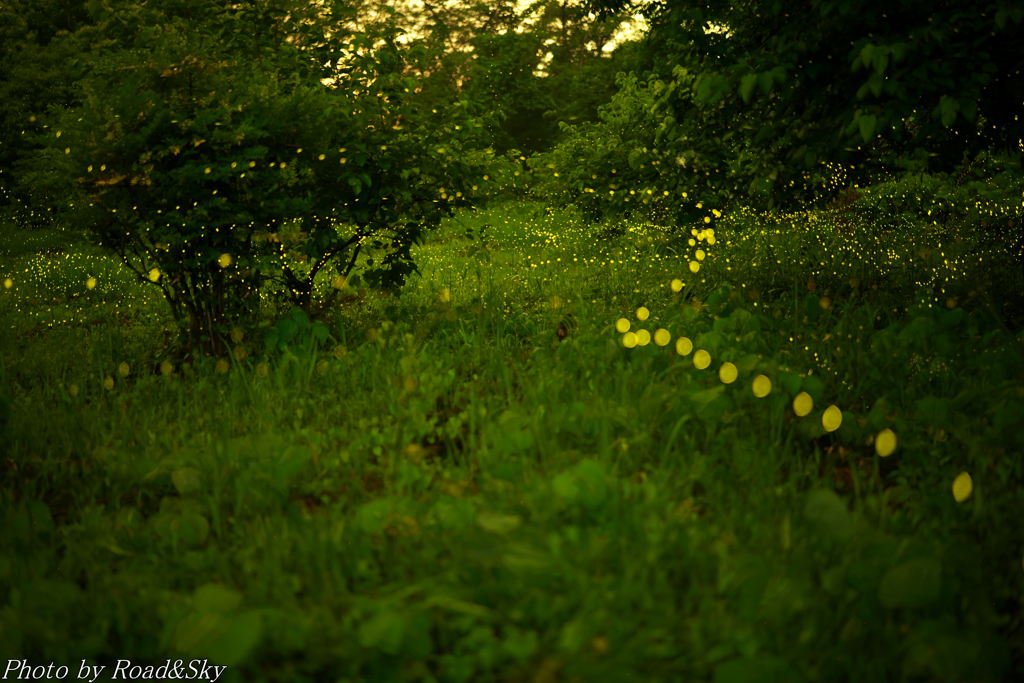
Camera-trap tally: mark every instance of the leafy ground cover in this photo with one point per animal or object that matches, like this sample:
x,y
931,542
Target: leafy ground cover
x,y
771,450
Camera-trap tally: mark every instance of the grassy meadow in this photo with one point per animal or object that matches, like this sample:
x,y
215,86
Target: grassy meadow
x,y
782,448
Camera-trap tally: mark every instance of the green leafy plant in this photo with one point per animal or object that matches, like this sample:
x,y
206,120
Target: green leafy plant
x,y
630,165
191,159
295,330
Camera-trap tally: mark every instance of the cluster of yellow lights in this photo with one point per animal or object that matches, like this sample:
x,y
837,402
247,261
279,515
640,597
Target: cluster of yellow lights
x,y
885,441
803,403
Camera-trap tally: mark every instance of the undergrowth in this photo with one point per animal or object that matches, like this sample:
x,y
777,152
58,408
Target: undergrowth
x,y
795,455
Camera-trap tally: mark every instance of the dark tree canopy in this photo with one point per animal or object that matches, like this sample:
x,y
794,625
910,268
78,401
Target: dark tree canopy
x,y
854,81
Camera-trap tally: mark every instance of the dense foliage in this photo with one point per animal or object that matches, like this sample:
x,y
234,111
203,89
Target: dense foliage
x,y
693,442
190,155
837,81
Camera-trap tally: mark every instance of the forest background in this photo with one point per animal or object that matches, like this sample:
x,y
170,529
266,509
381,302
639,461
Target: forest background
x,y
707,122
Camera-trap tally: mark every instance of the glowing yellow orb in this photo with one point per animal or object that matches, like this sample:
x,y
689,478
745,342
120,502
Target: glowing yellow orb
x,y
643,337
832,418
803,404
629,340
727,373
677,285
642,313
762,386
684,346
701,359
885,443
662,337
962,487
694,266
622,325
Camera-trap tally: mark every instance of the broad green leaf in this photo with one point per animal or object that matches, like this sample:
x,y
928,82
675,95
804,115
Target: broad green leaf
x,y
827,512
867,127
876,83
384,631
913,584
747,87
509,471
39,513
187,480
969,109
933,410
880,59
566,487
705,397
417,642
452,513
193,529
593,487
949,107
747,362
813,386
497,523
373,516
287,329
196,629
321,332
520,644
704,89
572,636
522,557
765,82
719,86
461,606
215,597
866,53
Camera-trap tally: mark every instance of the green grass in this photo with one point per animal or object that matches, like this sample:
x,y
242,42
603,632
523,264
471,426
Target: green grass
x,y
484,480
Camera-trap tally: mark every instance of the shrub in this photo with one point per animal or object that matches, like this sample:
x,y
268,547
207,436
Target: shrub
x,y
191,157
